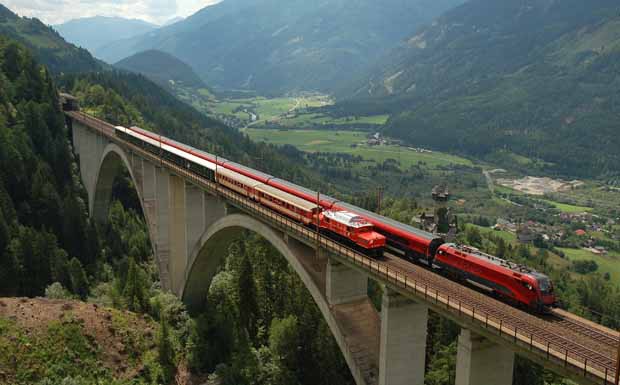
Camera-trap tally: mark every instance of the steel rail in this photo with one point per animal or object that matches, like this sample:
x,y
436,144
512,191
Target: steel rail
x,y
581,359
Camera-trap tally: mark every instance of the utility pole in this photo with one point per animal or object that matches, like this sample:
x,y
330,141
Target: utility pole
x,y
318,233
217,184
617,381
379,198
161,153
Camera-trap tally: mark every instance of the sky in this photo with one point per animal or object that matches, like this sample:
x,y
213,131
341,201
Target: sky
x,y
59,11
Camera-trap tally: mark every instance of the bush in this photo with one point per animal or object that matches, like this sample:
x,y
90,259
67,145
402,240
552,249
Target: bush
x,y
57,291
584,267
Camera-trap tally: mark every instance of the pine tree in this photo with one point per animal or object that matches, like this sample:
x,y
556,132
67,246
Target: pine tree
x,y
79,281
134,291
246,289
166,352
501,248
8,271
11,64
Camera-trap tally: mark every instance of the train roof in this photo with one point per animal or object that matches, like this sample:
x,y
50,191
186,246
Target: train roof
x,y
238,177
476,253
304,190
137,134
286,197
142,134
256,173
347,218
204,153
387,221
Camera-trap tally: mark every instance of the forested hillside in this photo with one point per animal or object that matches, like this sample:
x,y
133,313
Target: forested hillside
x,y
259,324
535,77
45,235
46,44
259,321
275,46
162,68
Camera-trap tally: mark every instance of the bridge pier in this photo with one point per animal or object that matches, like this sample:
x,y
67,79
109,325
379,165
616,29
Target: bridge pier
x,y
162,240
402,355
177,230
482,362
344,284
195,213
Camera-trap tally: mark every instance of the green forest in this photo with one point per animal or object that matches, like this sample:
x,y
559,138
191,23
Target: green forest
x,y
259,324
489,76
49,247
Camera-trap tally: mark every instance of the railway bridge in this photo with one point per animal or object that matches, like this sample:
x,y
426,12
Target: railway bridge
x,y
192,221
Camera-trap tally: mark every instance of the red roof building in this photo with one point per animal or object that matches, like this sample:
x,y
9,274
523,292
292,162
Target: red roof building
x,y
580,232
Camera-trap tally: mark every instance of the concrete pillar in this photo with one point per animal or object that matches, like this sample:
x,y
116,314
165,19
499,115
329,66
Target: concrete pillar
x,y
195,214
344,284
163,223
482,362
76,137
403,340
138,171
178,235
148,182
214,208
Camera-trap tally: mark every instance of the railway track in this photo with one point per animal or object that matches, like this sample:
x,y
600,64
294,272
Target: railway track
x,y
583,327
579,342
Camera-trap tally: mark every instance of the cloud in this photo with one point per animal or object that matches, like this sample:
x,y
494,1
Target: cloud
x,y
59,11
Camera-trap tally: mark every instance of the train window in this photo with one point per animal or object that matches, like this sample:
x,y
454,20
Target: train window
x,y
545,284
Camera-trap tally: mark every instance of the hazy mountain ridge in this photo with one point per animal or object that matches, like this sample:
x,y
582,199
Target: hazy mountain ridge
x,y
535,77
46,44
274,46
162,68
94,32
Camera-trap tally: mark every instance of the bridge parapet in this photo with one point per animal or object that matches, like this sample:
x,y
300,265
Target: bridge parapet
x,y
183,212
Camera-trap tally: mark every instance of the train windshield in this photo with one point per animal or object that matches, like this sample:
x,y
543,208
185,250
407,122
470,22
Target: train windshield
x,y
544,284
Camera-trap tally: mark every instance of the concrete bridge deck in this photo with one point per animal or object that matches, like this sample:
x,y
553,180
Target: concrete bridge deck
x,y
192,220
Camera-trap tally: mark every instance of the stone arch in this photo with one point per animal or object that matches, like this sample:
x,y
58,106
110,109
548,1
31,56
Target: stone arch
x,y
113,161
212,248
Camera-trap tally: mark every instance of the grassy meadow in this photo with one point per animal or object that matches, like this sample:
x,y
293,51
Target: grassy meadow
x,y
606,263
350,142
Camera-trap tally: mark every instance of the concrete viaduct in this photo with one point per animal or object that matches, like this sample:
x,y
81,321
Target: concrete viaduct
x,y
192,222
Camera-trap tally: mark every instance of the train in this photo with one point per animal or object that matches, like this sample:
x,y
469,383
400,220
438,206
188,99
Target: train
x,y
368,233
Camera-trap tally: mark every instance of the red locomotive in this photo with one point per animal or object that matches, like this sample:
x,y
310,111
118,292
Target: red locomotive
x,y
509,281
367,232
353,229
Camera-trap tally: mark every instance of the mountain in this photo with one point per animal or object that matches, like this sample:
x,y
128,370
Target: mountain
x,y
173,20
94,32
162,68
275,46
47,45
538,78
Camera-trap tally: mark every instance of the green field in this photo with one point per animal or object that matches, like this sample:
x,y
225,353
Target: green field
x,y
349,142
566,208
606,263
268,109
563,207
313,119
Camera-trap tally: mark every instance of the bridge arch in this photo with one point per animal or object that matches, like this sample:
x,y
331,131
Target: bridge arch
x,y
211,251
112,163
